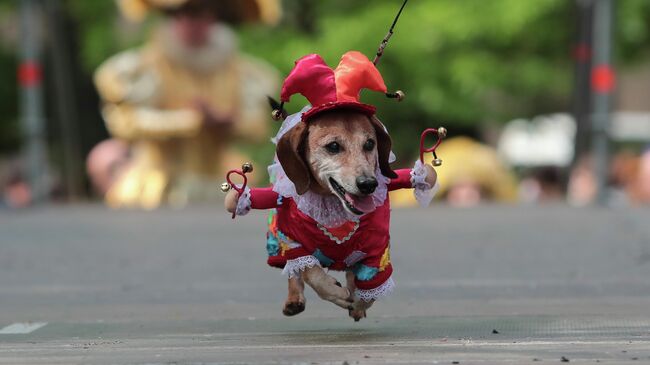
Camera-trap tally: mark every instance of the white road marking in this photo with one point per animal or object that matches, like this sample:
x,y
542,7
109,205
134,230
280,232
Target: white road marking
x,y
22,328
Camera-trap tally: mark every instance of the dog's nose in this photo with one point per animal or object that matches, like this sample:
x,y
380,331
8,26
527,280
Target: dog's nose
x,y
366,185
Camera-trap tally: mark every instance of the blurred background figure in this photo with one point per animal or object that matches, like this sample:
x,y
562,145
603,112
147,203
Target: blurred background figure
x,y
628,180
16,192
106,162
583,187
643,179
473,173
177,102
539,150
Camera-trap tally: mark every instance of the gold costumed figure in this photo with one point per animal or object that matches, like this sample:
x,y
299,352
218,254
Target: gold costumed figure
x,y
181,99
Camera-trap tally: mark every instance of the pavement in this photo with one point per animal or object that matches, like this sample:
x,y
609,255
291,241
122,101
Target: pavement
x,y
489,285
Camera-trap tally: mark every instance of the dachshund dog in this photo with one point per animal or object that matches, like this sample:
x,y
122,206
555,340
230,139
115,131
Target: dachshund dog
x,y
338,153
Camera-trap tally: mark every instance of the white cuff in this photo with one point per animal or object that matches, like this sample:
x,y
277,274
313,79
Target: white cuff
x,y
294,267
376,293
423,191
244,202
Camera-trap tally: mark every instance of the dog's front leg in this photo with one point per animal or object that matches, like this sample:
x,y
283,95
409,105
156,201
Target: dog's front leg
x,y
359,306
295,303
327,287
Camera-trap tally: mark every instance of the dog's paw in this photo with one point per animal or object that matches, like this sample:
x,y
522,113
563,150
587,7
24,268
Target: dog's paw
x,y
293,308
359,308
357,314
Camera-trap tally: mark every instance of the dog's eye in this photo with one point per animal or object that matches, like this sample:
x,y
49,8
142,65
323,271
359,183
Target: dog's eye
x,y
333,147
369,145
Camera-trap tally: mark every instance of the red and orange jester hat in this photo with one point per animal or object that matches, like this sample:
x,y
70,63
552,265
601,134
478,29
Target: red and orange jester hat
x,y
339,88
327,89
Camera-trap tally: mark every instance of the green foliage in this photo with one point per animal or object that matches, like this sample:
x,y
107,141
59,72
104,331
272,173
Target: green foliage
x,y
633,30
101,34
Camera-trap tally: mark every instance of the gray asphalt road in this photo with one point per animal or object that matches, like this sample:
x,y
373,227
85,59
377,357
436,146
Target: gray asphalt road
x,y
191,286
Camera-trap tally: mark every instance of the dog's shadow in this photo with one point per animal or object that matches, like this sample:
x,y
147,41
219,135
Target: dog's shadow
x,y
335,331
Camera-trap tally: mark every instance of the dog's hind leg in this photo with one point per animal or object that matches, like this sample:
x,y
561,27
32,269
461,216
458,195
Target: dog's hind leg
x,y
359,306
327,287
295,303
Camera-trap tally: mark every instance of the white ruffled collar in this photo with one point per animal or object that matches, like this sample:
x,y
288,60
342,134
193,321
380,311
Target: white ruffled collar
x,y
326,210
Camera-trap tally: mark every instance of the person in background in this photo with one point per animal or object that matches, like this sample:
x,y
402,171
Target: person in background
x,y
105,163
16,192
583,185
472,173
623,173
542,185
643,178
180,100
628,180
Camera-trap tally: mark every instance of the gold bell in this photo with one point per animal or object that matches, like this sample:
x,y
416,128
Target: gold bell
x,y
400,95
442,132
437,162
276,114
225,187
247,167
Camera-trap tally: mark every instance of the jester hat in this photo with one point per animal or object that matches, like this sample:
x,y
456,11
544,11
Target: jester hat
x,y
329,89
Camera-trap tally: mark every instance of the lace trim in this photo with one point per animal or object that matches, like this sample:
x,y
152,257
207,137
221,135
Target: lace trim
x,y
376,293
325,210
423,191
244,202
294,267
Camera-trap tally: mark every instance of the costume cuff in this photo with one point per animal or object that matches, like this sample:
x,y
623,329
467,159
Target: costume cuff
x,y
294,267
244,202
423,191
376,293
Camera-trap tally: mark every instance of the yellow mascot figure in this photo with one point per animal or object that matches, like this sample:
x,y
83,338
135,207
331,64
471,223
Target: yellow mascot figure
x,y
180,100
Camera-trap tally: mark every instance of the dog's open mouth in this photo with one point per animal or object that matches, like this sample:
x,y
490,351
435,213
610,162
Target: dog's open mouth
x,y
356,204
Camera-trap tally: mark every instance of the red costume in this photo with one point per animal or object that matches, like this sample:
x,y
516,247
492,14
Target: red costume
x,y
362,246
309,229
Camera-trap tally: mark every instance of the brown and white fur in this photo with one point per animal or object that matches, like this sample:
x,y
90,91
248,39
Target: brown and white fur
x,y
333,151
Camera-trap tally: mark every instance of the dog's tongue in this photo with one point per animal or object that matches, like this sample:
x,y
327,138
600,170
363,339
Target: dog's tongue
x,y
363,203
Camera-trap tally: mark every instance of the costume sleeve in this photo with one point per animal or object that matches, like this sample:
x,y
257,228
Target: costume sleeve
x,y
403,180
415,178
257,198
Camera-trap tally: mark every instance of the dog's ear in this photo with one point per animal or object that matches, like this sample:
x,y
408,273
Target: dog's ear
x,y
384,144
290,152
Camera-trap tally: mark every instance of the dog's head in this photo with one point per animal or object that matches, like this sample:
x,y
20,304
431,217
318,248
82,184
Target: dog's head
x,y
337,153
